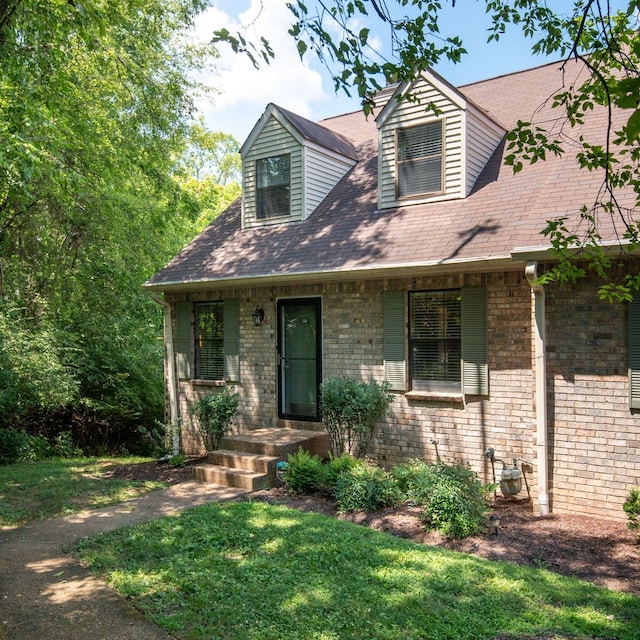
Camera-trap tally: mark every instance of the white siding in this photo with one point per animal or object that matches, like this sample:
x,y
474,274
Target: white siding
x,y
409,114
323,172
273,140
483,136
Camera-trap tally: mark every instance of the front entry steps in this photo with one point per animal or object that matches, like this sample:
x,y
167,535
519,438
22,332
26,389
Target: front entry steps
x,y
248,460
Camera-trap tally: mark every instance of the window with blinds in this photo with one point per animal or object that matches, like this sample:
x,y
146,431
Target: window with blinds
x,y
209,340
273,186
419,159
435,340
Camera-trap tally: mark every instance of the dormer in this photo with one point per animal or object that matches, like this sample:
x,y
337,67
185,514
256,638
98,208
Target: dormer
x,y
433,143
289,165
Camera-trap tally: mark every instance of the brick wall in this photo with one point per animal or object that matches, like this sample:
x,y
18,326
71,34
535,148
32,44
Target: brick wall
x,y
594,441
594,436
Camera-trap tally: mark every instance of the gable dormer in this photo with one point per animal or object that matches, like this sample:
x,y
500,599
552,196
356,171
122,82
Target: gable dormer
x,y
289,165
433,142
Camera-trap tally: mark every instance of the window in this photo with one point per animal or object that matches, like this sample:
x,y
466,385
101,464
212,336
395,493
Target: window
x,y
435,340
209,341
419,159
447,340
273,187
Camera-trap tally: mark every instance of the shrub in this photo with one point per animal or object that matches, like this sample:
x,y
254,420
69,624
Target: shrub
x,y
632,508
64,446
365,487
337,466
15,445
350,411
453,498
215,413
305,473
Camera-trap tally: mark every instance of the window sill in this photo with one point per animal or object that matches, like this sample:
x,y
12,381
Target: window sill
x,y
209,383
436,396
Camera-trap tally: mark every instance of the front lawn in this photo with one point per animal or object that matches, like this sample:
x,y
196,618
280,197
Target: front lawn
x,y
252,571
61,486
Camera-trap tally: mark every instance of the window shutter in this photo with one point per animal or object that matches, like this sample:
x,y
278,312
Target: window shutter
x,y
475,370
634,352
231,340
394,340
183,340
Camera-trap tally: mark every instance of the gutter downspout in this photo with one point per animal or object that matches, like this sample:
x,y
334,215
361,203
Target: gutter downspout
x,y
171,370
531,273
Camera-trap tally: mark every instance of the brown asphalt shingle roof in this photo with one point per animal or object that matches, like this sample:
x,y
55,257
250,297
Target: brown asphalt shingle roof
x,y
348,232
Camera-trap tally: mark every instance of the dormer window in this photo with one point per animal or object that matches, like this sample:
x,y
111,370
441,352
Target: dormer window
x,y
273,192
419,156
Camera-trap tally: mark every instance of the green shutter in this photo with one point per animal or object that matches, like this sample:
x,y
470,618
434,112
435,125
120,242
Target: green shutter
x,y
395,370
634,353
475,371
183,340
231,340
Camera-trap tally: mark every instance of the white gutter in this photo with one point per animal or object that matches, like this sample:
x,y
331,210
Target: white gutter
x,y
531,272
170,363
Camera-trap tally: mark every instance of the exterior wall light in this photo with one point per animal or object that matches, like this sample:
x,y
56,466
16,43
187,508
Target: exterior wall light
x,y
258,317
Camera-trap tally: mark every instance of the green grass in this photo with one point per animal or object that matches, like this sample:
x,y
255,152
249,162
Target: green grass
x,y
251,571
58,487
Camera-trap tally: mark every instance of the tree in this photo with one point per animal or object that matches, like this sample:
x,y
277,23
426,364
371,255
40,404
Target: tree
x,y
209,171
607,42
96,103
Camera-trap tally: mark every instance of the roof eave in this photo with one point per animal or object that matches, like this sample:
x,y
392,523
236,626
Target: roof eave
x,y
470,265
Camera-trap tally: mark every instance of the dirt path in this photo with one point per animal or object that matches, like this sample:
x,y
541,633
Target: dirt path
x,y
46,595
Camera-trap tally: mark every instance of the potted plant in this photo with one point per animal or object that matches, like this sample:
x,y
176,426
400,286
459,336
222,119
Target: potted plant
x,y
215,413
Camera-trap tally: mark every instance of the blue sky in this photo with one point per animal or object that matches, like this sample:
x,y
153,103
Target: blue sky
x,y
306,88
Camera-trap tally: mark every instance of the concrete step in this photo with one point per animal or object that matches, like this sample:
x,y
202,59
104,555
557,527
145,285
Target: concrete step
x,y
278,442
242,460
248,460
229,477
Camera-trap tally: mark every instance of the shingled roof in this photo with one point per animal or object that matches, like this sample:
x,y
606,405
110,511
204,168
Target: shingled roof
x,y
347,236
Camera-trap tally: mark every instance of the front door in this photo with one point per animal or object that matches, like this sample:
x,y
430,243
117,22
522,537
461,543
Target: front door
x,y
299,358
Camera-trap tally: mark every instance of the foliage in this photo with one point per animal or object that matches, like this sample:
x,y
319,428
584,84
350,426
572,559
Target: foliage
x,y
605,40
251,571
96,107
453,498
305,473
61,486
215,413
632,508
350,410
335,467
365,487
17,444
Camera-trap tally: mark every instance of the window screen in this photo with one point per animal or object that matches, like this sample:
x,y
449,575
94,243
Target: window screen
x,y
435,340
209,335
273,187
419,166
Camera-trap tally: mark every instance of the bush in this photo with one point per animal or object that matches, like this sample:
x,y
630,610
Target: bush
x,y
215,413
632,508
453,498
350,411
336,467
305,473
15,445
365,487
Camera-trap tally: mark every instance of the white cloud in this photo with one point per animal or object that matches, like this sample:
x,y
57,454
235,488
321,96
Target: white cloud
x,y
242,92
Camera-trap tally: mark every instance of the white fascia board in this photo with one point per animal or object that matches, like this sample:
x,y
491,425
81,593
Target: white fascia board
x,y
431,77
470,265
271,110
545,252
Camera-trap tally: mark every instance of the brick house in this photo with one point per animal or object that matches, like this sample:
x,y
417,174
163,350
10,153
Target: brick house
x,y
400,247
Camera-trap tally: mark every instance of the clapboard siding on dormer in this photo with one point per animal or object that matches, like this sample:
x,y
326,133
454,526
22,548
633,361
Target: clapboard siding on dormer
x,y
407,114
315,170
483,136
273,140
323,171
